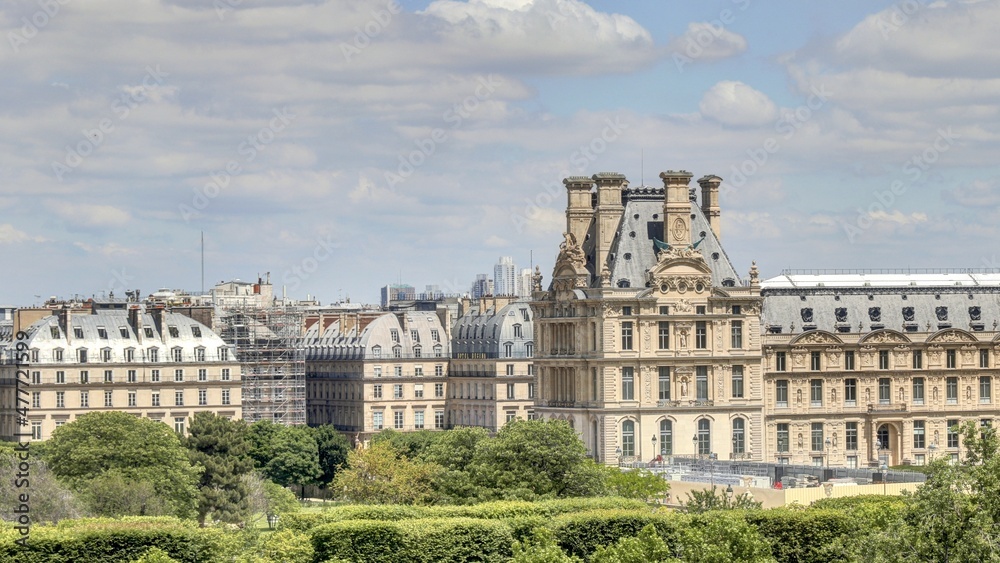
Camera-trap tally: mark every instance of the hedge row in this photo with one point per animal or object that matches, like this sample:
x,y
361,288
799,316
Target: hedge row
x,y
103,540
411,541
304,521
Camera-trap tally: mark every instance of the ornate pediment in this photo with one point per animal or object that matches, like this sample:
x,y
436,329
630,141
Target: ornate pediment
x,y
952,335
817,337
570,271
886,337
680,270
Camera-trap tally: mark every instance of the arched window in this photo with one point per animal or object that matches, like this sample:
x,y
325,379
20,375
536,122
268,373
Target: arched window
x,y
508,350
666,437
628,438
739,436
704,437
529,350
376,351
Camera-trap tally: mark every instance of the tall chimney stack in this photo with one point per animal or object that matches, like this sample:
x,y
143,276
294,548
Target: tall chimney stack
x,y
66,321
579,208
609,214
710,202
677,208
135,321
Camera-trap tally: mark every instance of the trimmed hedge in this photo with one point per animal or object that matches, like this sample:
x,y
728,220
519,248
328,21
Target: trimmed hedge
x,y
499,510
581,534
423,540
802,535
102,540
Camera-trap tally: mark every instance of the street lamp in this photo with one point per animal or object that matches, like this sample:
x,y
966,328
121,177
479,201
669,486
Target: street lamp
x,y
885,470
729,494
694,445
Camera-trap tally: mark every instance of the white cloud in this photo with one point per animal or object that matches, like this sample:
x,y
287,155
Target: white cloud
x,y
88,215
704,41
9,234
737,104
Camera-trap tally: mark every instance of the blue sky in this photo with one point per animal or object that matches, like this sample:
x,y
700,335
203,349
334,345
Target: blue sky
x,y
368,141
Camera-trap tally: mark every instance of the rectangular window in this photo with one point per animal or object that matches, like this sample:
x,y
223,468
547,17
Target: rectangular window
x,y
60,399
918,359
178,375
816,393
737,382
918,434
58,355
950,355
397,420
155,399
439,389
628,384
418,391
82,355
225,374
700,310
223,354
154,355
783,443
918,390
36,399
849,360
953,433
664,310
627,335
851,436
817,437
225,396
418,420
131,398
109,376
377,420
397,371
107,399
626,311
985,389
177,354
154,376
438,420
397,391
84,377
664,383
781,392
701,382
736,334
85,399
779,361
376,391
439,370
883,359
664,335
511,415
36,430
179,398
106,355
418,371
984,358
510,369
815,361
701,335
202,374
884,391
202,397
36,378
850,392
951,390
60,377
131,377
510,390
531,390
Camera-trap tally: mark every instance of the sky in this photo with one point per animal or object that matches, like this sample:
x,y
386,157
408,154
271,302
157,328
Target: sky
x,y
341,145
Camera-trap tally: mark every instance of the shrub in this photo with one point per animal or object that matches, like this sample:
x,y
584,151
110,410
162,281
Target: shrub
x,y
802,535
423,540
581,534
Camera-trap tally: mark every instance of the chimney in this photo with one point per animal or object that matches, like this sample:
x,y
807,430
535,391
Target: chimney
x,y
677,208
609,214
710,202
579,206
135,321
158,315
66,322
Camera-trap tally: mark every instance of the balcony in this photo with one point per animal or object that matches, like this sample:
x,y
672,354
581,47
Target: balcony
x,y
686,404
899,407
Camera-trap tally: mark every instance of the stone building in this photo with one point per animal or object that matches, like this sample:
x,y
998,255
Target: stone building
x,y
492,380
862,369
155,364
648,341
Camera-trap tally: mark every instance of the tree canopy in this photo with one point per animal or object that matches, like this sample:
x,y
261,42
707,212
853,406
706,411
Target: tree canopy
x,y
220,446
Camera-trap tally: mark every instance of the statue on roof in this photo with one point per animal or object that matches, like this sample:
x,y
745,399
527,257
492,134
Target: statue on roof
x,y
570,251
536,279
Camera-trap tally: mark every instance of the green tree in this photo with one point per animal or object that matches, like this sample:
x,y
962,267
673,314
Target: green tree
x,y
220,446
410,444
381,475
454,451
113,494
261,436
51,501
294,458
139,449
638,484
332,447
706,500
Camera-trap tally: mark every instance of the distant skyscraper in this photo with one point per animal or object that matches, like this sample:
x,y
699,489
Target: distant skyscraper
x,y
524,283
482,286
505,277
397,292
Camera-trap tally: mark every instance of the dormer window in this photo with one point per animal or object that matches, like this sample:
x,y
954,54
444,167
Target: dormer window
x,y
414,336
130,354
34,355
223,354
102,333
81,355
54,331
196,331
177,354
397,351
77,332
437,351
199,354
416,352
148,331
123,331
154,355
435,335
394,334
517,331
57,354
105,354
376,351
174,333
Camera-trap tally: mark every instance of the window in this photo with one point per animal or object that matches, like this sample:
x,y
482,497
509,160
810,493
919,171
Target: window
x,y
397,391
397,420
202,374
816,393
664,335
177,354
36,399
884,391
394,334
377,391
627,335
815,363
664,383
918,390
109,376
701,383
377,420
736,334
398,371
376,352
77,332
199,354
628,384
84,377
439,389
85,399
435,335
817,461
154,355
397,352
950,354
664,310
438,354
883,359
700,309
106,355
174,333
60,399
418,391
202,397
131,377
179,425
628,438
196,331
418,371
438,420
701,335
816,441
951,390
851,436
510,390
918,434
666,437
102,333
81,355
509,370
178,375
918,359
704,437
148,331
179,398
850,392
985,389
223,354
779,361
418,419
225,374
107,399
782,437
36,430
414,336
36,378
58,354
439,370
155,399
781,392
60,377
739,438
531,390
953,433
225,397
131,398
517,332
984,358
54,331
416,352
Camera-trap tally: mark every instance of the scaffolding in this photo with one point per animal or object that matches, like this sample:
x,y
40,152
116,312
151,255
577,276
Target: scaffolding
x,y
269,347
